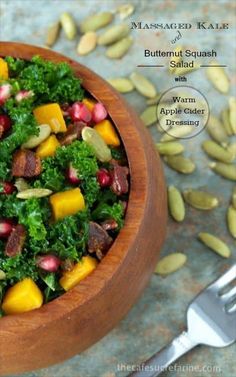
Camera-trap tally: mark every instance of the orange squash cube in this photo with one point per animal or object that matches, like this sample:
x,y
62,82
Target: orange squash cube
x,y
51,114
48,147
3,70
67,203
107,132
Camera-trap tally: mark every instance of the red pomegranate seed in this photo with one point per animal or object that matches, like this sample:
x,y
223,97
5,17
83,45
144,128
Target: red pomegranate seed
x,y
72,175
5,124
6,188
99,113
23,94
104,178
48,262
80,112
5,93
6,227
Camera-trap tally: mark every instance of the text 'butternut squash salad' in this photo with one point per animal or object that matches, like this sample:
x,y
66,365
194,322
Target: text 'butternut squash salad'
x,y
63,183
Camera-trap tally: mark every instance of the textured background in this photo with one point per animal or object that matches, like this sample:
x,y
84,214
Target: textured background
x,y
160,313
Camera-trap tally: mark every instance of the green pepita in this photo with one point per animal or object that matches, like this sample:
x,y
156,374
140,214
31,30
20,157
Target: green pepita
x,y
96,21
52,34
227,171
232,113
154,100
87,43
177,133
226,122
180,164
200,199
122,84
217,131
170,263
170,149
216,151
33,193
68,25
125,10
21,184
120,48
143,85
218,77
2,275
215,244
232,149
149,115
231,220
101,150
34,141
113,34
176,204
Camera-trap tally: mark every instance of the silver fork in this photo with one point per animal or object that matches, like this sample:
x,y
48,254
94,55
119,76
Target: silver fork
x,y
211,319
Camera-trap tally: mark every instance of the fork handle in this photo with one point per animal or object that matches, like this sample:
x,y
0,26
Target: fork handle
x,y
162,359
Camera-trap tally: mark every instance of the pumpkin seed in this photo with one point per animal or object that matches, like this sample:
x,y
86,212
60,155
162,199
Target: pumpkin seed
x,y
218,77
176,59
234,198
101,150
180,164
232,113
122,84
216,151
113,34
176,204
200,199
68,25
33,193
34,141
87,43
232,149
143,85
21,184
226,122
172,148
125,10
227,171
52,34
119,49
177,132
186,70
231,219
170,263
215,244
96,21
154,100
149,115
217,131
2,275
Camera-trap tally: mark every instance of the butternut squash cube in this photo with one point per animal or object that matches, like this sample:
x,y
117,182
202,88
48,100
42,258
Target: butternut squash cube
x,y
82,269
48,147
67,203
22,297
3,70
108,133
89,103
51,114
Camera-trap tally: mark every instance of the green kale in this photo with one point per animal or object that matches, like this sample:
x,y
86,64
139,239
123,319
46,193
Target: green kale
x,y
52,176
105,211
18,267
15,66
91,190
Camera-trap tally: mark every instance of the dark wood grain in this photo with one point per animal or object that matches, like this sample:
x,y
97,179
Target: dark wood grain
x,y
79,318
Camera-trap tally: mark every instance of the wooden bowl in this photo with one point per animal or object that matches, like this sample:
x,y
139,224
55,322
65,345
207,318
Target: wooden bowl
x,y
80,317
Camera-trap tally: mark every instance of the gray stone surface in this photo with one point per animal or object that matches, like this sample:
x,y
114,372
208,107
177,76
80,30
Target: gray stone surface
x,y
160,313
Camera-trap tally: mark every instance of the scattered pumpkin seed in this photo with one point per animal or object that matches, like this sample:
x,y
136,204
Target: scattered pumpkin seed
x,y
170,149
177,132
119,49
227,171
218,77
200,199
34,141
232,149
101,150
180,164
215,244
170,263
176,59
143,85
186,70
176,204
231,220
217,131
122,84
52,34
33,193
216,151
125,10
87,43
149,115
232,113
21,184
2,275
226,122
154,100
68,25
96,21
113,34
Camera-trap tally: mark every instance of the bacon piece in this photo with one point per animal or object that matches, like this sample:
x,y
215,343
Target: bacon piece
x,y
120,183
15,241
99,240
73,133
26,164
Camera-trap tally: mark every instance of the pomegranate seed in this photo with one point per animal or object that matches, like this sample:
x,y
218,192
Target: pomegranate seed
x,y
99,113
48,262
5,93
23,94
6,227
80,112
6,188
104,178
5,124
72,175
